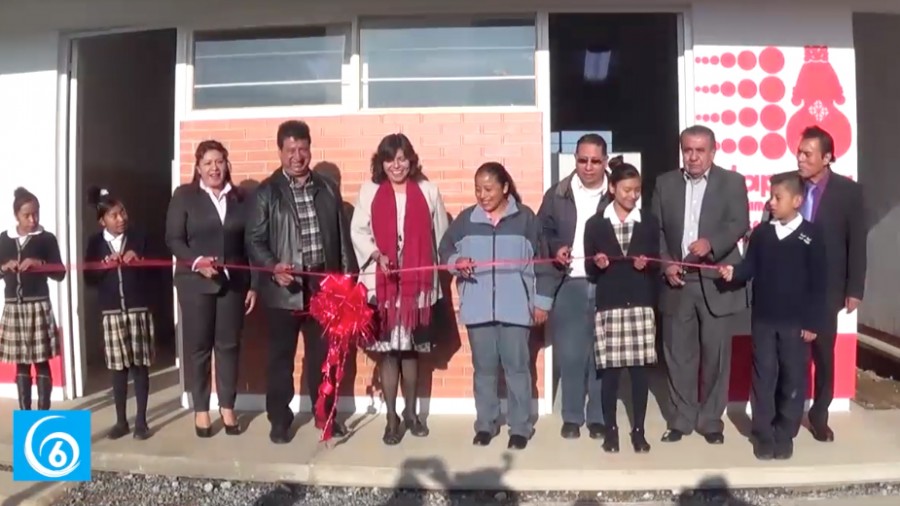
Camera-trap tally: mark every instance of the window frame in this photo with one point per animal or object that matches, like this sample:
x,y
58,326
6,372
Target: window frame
x,y
349,77
434,21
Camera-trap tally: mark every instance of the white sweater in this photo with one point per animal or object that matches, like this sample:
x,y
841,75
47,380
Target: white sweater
x,y
364,241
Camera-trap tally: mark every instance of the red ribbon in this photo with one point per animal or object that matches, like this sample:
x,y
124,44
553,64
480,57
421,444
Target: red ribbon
x,y
342,309
146,262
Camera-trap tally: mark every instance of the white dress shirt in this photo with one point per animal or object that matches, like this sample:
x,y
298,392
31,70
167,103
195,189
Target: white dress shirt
x,y
221,204
115,242
586,202
634,216
783,230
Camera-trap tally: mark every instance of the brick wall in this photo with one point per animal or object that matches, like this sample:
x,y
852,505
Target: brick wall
x,y
450,146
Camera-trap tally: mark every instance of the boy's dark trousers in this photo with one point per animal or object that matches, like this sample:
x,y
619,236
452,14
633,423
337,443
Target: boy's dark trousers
x,y
780,377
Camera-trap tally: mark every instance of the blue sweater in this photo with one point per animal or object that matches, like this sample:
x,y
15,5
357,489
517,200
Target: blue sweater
x,y
504,294
789,276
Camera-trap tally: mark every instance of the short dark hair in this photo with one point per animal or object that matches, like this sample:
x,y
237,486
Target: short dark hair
x,y
790,181
102,201
595,139
699,130
21,197
387,150
293,128
620,171
499,172
826,141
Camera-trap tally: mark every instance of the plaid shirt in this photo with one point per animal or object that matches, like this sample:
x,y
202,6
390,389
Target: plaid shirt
x,y
310,235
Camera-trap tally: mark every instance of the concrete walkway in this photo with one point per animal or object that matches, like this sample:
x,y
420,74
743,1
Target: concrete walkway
x,y
867,450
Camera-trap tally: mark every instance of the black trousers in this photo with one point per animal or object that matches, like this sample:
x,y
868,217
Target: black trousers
x,y
212,324
284,330
823,358
780,371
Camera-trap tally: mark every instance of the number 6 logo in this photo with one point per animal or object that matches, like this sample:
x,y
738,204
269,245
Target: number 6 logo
x,y
57,458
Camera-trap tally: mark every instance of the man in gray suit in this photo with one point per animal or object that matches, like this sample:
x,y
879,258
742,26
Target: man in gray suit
x,y
703,212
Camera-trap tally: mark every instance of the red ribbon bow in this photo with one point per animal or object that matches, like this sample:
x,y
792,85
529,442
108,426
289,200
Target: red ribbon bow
x,y
342,310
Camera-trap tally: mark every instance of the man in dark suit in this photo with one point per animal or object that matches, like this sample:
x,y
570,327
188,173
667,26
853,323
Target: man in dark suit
x,y
703,212
297,224
835,203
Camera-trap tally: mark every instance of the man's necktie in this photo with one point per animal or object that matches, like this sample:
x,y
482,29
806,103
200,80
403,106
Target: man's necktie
x,y
809,203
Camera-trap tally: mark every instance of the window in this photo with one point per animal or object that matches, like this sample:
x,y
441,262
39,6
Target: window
x,y
269,67
421,63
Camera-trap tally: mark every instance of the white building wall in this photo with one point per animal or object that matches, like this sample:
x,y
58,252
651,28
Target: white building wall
x,y
29,102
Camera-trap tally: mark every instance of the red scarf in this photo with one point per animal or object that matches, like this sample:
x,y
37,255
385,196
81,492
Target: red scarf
x,y
405,287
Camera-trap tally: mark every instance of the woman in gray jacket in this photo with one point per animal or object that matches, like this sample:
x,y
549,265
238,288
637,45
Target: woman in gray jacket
x,y
499,303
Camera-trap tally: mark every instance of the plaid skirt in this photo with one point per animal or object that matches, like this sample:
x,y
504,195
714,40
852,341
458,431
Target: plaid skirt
x,y
626,337
28,332
128,339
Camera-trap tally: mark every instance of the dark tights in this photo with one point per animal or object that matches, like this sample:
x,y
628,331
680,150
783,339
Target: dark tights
x,y
141,377
609,391
24,382
394,365
42,368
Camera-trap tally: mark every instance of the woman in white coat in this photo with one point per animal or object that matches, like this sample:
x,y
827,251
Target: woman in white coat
x,y
397,223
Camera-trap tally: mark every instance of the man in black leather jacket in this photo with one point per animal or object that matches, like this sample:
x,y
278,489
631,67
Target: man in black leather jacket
x,y
296,224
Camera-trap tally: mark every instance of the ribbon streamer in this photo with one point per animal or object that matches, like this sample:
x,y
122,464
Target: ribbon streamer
x,y
342,310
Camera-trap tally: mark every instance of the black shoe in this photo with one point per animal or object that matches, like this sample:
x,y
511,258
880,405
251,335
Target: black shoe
x,y
393,432
202,432
23,385
415,426
672,436
482,438
611,440
44,388
639,441
141,431
570,431
280,434
596,430
231,430
119,430
784,450
338,429
763,450
517,442
822,433
714,438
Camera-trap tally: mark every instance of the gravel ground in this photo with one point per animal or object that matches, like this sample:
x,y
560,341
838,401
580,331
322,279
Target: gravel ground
x,y
116,489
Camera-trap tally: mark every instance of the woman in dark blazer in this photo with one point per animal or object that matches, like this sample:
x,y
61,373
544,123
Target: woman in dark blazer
x,y
205,230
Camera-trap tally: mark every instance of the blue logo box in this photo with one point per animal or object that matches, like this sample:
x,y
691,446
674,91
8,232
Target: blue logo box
x,y
52,445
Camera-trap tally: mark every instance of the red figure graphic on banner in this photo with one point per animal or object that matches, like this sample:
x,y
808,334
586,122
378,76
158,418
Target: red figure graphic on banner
x,y
818,92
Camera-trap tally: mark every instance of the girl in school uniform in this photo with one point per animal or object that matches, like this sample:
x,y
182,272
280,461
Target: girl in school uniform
x,y
128,332
625,322
28,331
499,304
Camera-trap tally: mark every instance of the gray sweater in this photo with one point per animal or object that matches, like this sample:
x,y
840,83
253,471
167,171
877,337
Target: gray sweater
x,y
502,294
